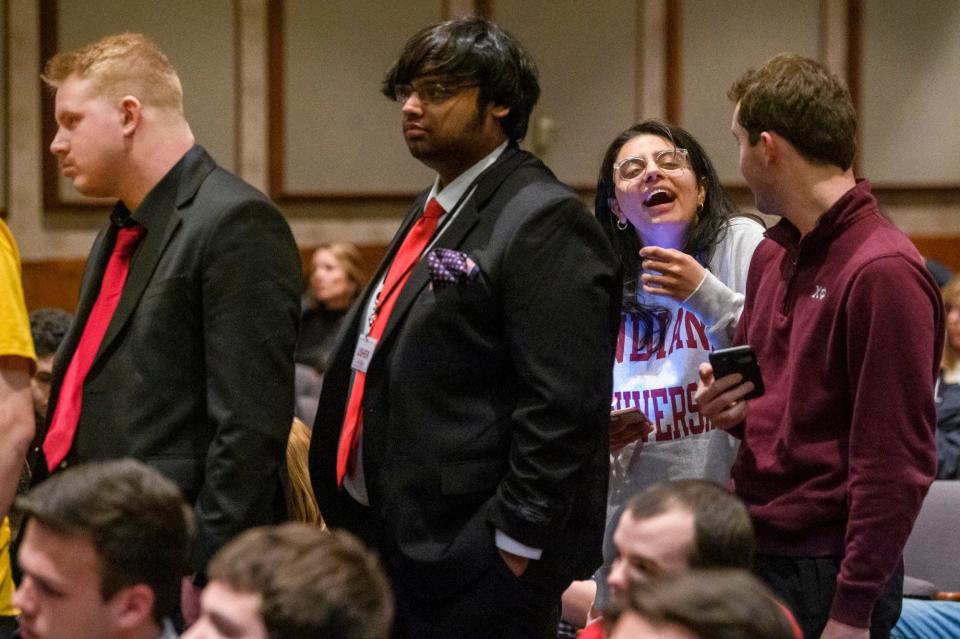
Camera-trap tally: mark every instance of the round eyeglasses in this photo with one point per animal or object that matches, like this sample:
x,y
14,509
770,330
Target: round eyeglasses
x,y
670,161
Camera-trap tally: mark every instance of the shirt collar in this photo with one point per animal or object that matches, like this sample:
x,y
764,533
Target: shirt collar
x,y
451,193
161,199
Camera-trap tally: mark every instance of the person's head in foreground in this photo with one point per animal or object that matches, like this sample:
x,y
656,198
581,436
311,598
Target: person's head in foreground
x,y
294,581
103,553
698,604
675,526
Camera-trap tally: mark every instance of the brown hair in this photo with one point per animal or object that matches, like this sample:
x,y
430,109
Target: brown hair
x,y
118,65
799,99
951,298
124,507
312,583
712,604
723,534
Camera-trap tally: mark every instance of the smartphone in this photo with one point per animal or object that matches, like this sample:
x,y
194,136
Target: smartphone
x,y
631,412
738,359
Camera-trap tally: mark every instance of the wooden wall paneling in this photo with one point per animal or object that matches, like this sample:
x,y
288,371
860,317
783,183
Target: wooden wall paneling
x,y
586,55
720,40
909,116
334,136
205,61
943,248
52,283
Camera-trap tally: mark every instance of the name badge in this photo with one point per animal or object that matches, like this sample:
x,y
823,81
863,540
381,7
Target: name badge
x,y
363,354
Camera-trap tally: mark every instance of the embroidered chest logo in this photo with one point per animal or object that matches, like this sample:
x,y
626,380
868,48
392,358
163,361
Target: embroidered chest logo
x,y
820,293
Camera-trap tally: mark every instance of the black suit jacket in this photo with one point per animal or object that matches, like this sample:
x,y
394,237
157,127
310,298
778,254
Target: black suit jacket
x,y
486,403
195,372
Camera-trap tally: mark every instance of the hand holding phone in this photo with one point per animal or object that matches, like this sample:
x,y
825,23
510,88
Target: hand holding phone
x,y
627,425
738,359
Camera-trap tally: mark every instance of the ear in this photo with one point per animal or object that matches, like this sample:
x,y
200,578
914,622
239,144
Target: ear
x,y
499,112
131,113
132,608
769,147
702,191
615,207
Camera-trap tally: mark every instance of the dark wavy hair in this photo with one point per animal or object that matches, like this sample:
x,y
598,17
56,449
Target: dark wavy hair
x,y
702,235
478,51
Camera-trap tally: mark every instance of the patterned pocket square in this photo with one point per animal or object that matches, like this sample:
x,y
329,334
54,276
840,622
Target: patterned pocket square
x,y
446,267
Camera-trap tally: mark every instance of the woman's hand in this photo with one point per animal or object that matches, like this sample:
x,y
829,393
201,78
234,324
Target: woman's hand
x,y
670,272
627,427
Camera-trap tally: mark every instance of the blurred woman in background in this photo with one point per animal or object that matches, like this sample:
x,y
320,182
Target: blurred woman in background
x,y
948,388
337,277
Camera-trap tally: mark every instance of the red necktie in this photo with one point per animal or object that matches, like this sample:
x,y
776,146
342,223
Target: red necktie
x,y
405,259
63,427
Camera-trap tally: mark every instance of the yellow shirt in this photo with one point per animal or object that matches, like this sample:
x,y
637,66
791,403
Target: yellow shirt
x,y
14,340
6,578
14,324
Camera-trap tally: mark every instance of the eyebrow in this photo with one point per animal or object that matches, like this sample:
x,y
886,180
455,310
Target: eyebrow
x,y
224,624
66,113
50,586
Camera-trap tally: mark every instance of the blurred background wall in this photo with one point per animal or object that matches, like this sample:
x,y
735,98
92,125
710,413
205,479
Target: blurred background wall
x,y
286,94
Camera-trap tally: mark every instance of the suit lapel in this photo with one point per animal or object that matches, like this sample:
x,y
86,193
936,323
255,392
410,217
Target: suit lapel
x,y
161,222
453,235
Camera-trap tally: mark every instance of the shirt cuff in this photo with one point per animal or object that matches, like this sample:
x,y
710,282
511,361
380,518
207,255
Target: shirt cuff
x,y
508,544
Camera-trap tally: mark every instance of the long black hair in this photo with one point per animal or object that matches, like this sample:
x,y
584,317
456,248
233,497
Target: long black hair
x,y
702,234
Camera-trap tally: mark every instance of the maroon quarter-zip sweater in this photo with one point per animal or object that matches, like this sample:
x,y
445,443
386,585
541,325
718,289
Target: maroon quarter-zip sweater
x,y
838,455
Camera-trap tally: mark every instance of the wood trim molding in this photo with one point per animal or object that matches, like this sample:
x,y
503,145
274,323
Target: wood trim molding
x,y
276,81
673,61
653,84
276,106
451,9
49,10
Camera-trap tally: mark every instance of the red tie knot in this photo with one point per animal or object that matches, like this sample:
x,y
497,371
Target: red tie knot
x,y
128,238
433,209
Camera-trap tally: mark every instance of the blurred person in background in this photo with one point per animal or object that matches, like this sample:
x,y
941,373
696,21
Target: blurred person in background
x,y
948,388
48,326
337,277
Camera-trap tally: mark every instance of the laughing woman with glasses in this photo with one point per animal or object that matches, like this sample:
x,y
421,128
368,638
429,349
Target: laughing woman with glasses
x,y
685,254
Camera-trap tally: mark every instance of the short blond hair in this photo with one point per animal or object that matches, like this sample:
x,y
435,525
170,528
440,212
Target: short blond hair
x,y
123,64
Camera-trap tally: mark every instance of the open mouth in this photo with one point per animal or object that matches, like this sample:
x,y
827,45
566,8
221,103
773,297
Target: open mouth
x,y
658,197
